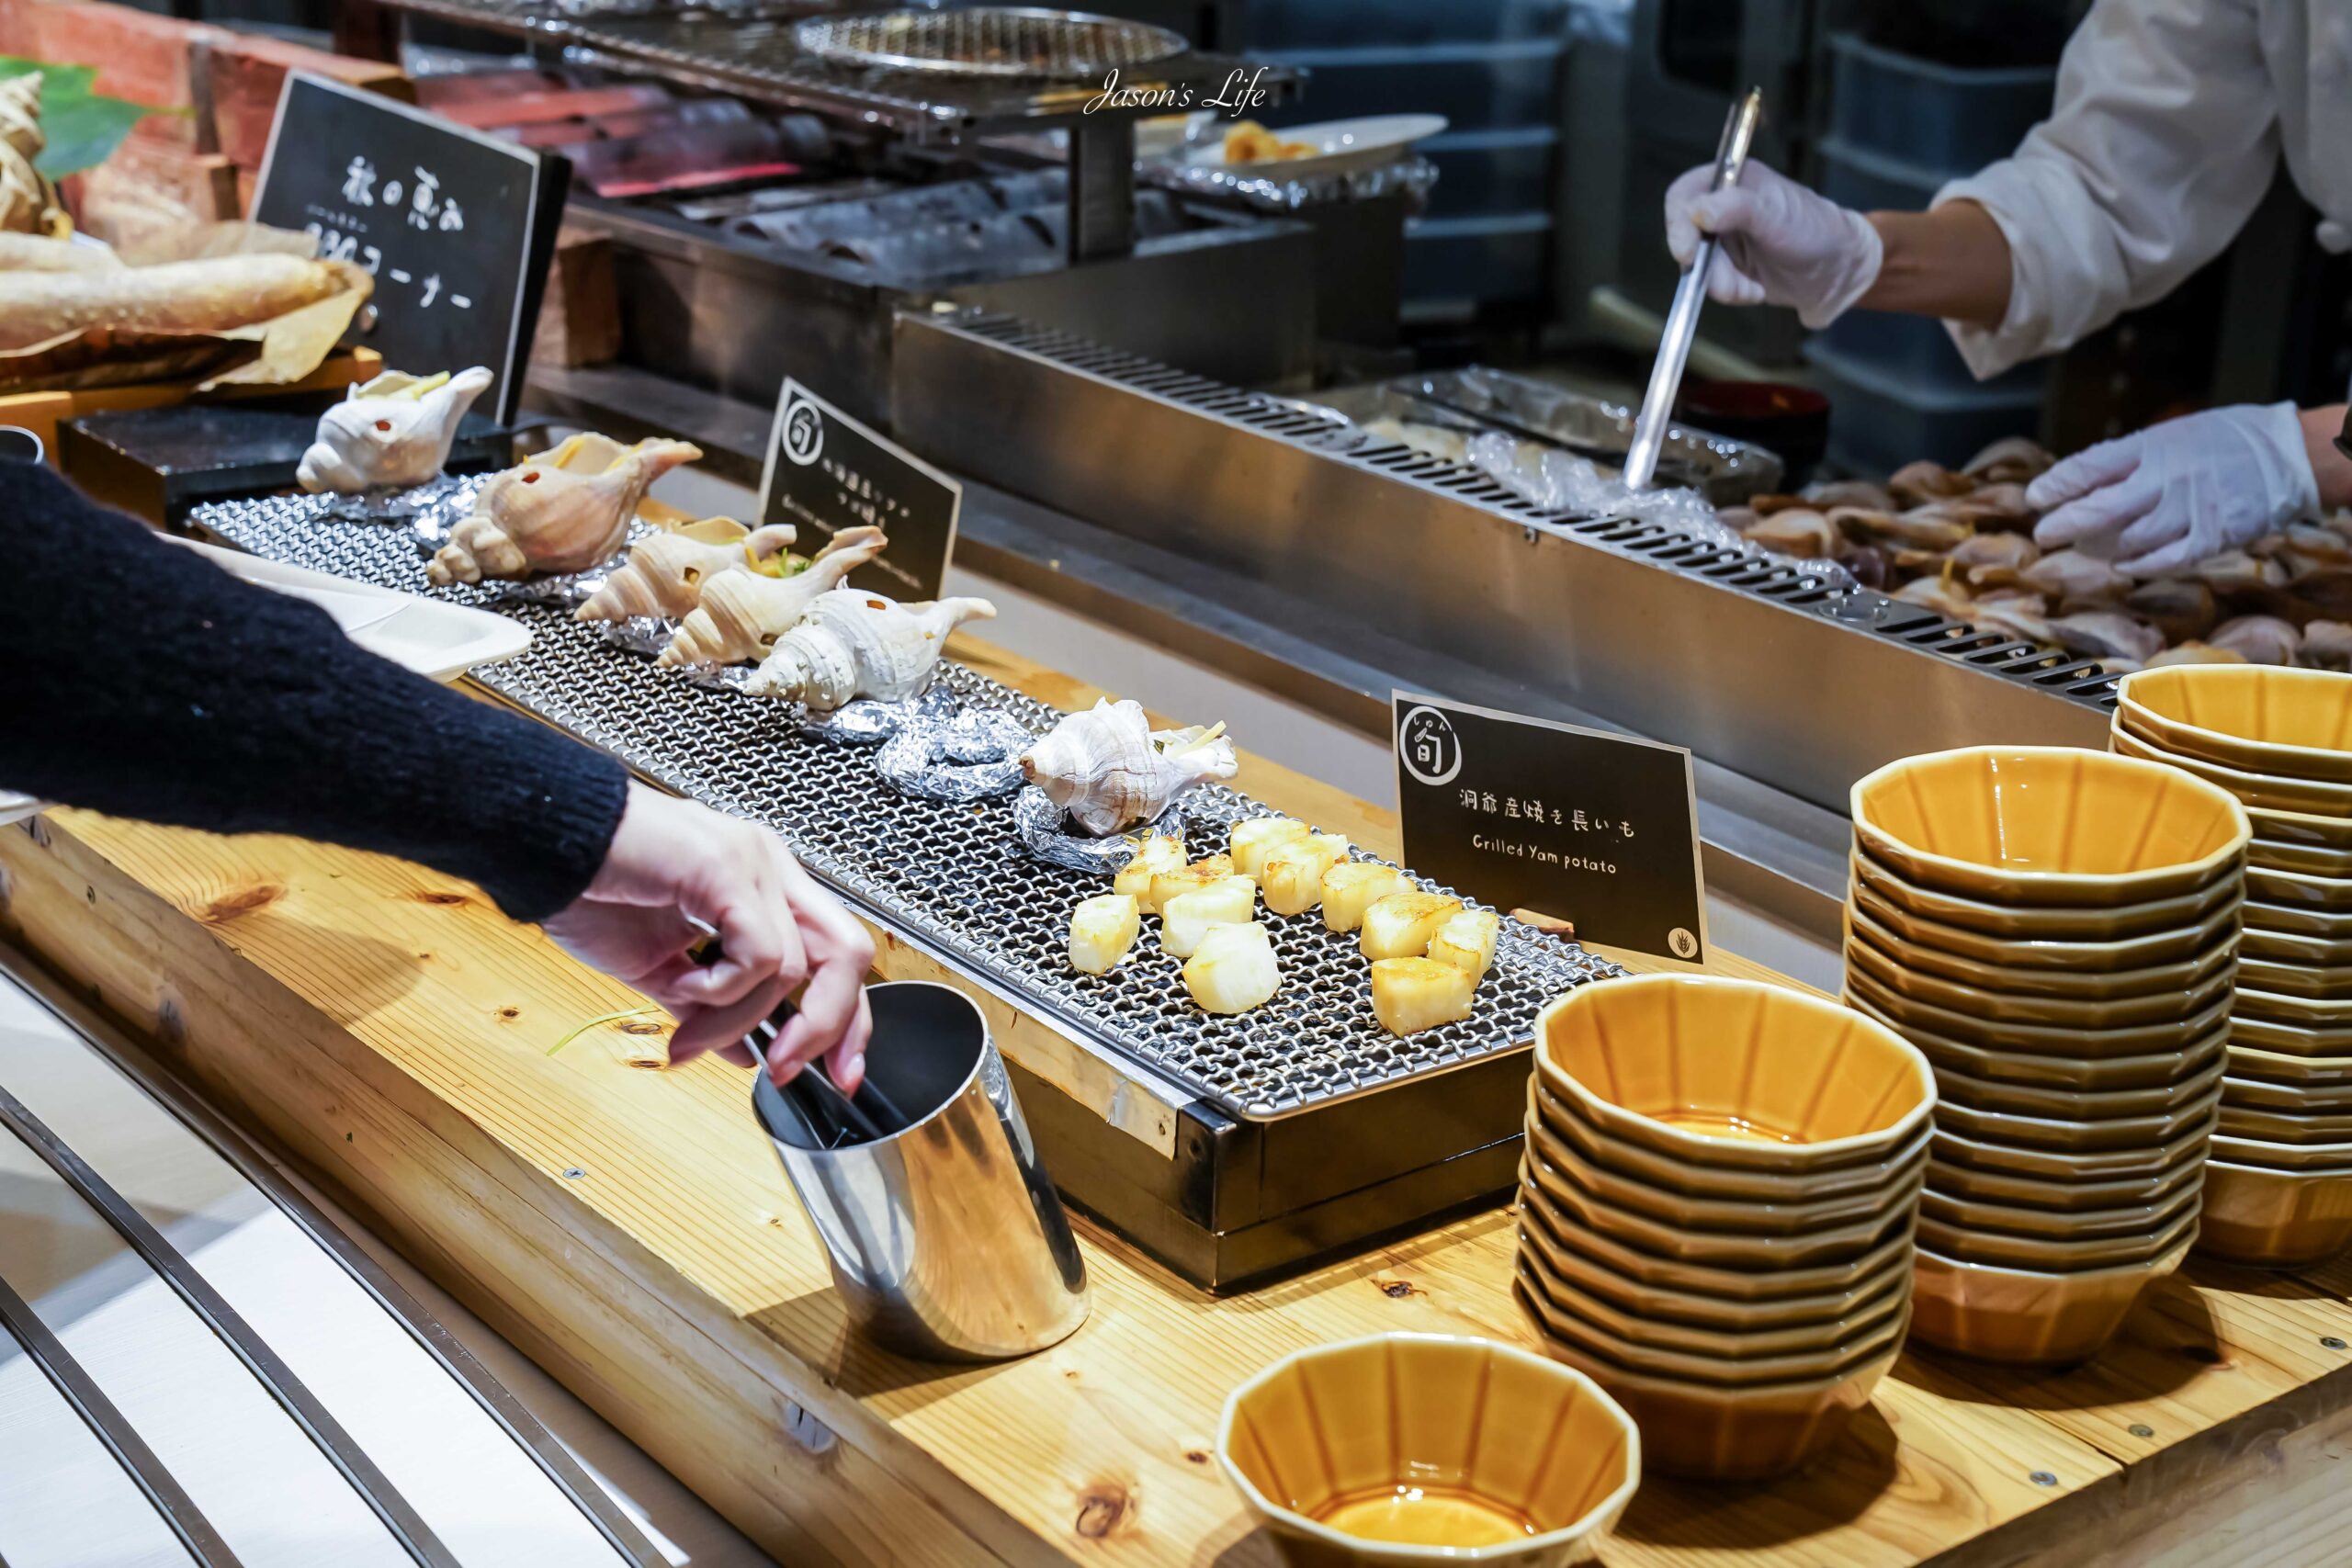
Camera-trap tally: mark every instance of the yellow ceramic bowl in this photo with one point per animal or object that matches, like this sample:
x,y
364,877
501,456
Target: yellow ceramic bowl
x,y
1709,1432
2261,717
2302,827
2068,1197
2316,982
2282,1156
1826,1341
2066,1135
2305,1124
2289,1039
2081,1074
1766,1289
1428,1449
2056,922
2286,1067
1971,1244
1716,1249
2121,1220
1901,1013
2300,890
1730,1072
2270,791
2252,1001
2026,1317
2263,1094
1745,1215
1951,1147
2328,926
2310,859
1600,1267
2287,946
1563,1121
2048,825
2153,1005
2275,1219
2083,1105
2079,982
1540,1295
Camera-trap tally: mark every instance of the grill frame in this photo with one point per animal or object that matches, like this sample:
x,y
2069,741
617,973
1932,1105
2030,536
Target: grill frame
x,y
995,914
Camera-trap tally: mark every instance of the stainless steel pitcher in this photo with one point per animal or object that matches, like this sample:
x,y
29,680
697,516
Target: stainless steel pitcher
x,y
947,1239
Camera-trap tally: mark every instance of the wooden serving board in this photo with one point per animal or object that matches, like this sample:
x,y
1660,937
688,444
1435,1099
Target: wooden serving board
x,y
504,1116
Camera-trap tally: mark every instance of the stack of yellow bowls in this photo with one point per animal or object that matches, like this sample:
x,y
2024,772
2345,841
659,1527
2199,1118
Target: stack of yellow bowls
x,y
1715,1210
2057,930
2278,1190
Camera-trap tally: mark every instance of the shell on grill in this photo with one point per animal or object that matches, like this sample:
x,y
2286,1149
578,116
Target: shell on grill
x,y
1108,771
852,644
551,514
666,574
392,431
742,614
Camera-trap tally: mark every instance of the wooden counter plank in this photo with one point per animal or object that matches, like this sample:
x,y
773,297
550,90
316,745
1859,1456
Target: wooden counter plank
x,y
391,1032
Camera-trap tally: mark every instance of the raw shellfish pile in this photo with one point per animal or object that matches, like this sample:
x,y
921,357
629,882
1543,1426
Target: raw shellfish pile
x,y
1960,543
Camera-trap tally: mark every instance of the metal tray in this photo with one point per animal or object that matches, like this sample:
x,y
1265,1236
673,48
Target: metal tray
x,y
952,878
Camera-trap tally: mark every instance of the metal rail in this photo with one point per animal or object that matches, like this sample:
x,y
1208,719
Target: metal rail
x,y
111,1428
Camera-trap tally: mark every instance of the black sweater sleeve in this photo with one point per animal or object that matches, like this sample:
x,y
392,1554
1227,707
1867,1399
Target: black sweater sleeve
x,y
139,679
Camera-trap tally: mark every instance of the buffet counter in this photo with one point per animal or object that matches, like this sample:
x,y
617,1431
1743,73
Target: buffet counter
x,y
486,1103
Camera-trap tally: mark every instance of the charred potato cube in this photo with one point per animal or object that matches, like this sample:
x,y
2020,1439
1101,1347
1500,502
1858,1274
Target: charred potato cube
x,y
1186,919
1233,970
1467,940
1409,995
1102,929
1154,855
1183,879
1354,885
1293,871
1401,925
1259,837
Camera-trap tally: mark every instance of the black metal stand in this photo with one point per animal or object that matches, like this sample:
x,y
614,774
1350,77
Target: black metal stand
x,y
1101,188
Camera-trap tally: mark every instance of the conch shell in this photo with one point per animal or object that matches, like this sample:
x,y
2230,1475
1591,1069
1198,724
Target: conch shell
x,y
394,429
29,203
665,575
1109,771
550,516
742,612
854,644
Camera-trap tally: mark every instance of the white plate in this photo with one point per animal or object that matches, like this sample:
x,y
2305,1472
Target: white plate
x,y
1344,144
438,641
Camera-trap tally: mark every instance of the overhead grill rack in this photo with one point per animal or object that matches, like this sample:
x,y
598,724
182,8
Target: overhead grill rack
x,y
953,877
992,40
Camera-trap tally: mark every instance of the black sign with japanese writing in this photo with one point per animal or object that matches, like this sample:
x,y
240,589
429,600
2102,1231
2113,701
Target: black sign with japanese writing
x,y
827,472
1596,828
457,228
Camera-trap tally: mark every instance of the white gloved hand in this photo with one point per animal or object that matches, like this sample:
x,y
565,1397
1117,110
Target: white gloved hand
x,y
1781,243
2170,495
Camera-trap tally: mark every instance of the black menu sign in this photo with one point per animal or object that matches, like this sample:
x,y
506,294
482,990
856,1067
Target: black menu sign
x,y
1600,830
827,472
457,228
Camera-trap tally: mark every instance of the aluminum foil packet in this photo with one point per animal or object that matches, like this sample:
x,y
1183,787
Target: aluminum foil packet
x,y
1413,179
1045,831
974,756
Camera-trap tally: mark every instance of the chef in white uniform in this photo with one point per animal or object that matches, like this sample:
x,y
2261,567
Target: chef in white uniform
x,y
2169,120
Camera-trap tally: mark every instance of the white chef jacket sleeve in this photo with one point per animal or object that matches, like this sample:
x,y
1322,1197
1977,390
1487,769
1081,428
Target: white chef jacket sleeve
x,y
2162,141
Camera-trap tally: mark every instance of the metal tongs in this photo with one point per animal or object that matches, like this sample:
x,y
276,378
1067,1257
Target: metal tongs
x,y
1682,316
832,1115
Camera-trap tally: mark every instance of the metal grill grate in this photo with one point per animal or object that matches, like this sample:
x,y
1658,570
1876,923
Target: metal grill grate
x,y
2080,679
988,40
953,875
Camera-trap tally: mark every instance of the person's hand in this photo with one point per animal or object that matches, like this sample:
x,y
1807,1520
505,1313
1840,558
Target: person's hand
x,y
1781,244
2169,496
677,872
